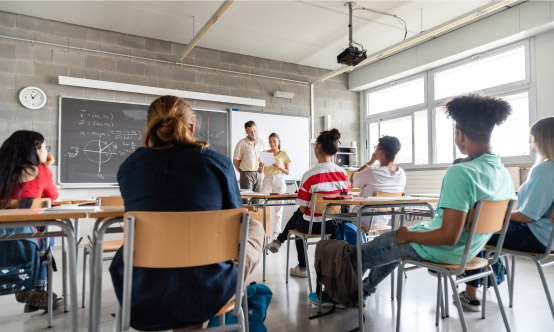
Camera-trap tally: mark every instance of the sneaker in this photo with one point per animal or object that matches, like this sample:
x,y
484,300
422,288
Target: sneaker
x,y
298,271
274,246
468,302
326,301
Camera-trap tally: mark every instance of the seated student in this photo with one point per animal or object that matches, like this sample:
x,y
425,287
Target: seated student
x,y
325,177
530,225
176,172
481,177
24,173
387,177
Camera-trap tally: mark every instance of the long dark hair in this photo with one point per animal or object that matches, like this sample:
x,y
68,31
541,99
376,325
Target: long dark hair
x,y
329,141
17,153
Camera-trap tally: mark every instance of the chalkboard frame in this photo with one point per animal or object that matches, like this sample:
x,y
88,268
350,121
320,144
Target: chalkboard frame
x,y
108,184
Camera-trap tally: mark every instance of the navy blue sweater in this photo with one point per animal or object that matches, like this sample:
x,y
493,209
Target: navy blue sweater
x,y
182,178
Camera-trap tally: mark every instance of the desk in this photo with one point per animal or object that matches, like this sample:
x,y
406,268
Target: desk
x,y
264,200
36,218
365,204
104,219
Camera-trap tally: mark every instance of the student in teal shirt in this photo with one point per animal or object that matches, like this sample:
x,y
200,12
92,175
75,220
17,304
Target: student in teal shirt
x,y
480,176
530,226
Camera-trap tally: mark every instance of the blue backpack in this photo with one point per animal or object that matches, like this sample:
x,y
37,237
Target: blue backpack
x,y
347,231
259,297
19,266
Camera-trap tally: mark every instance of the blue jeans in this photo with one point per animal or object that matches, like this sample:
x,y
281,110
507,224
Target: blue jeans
x,y
43,269
381,256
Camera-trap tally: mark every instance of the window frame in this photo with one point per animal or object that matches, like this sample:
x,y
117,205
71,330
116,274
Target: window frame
x,y
430,104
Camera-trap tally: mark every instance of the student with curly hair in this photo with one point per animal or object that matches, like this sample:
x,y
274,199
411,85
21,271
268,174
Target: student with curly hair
x,y
481,176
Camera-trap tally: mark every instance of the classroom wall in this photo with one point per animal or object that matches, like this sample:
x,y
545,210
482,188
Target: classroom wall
x,y
23,63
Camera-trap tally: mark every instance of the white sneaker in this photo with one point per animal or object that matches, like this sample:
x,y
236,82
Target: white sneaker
x,y
273,246
468,302
298,271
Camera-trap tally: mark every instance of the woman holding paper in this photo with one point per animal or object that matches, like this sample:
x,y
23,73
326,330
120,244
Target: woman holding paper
x,y
274,176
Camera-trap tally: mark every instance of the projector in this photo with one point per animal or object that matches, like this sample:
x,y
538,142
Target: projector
x,y
351,56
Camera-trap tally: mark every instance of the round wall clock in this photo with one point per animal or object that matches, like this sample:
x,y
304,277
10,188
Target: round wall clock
x,y
32,97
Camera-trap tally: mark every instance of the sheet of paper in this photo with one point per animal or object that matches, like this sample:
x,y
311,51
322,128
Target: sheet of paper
x,y
267,158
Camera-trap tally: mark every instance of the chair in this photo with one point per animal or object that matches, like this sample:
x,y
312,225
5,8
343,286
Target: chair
x,y
484,217
220,236
376,229
109,245
295,235
541,261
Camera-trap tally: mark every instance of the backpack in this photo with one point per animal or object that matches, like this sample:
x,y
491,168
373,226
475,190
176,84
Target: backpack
x,y
258,297
335,272
347,231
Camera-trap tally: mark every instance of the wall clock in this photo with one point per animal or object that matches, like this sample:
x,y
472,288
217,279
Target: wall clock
x,y
32,97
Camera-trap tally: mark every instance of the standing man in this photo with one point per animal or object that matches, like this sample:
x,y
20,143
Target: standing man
x,y
246,158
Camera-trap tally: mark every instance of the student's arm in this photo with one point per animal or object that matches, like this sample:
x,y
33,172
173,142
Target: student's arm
x,y
303,209
447,235
50,190
285,169
236,163
368,164
520,217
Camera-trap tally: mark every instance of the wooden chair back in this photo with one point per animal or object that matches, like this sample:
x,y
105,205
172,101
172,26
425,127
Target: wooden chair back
x,y
105,201
491,216
384,194
185,239
38,203
319,207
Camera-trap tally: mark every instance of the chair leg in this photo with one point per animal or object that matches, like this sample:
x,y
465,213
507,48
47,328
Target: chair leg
x,y
64,274
446,300
305,242
458,304
83,296
242,320
512,282
499,299
49,282
392,285
117,322
484,300
439,299
546,290
399,295
288,255
245,311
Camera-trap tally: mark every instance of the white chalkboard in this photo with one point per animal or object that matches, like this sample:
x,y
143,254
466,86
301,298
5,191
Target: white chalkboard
x,y
294,132
96,136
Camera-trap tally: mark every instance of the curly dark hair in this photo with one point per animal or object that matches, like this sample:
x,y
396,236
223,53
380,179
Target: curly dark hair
x,y
390,145
329,141
476,115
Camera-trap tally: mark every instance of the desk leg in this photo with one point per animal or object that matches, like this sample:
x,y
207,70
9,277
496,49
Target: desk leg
x,y
359,273
265,250
97,281
72,252
393,228
97,224
64,273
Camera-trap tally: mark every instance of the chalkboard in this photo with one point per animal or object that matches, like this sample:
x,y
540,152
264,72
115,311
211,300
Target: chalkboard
x,y
96,136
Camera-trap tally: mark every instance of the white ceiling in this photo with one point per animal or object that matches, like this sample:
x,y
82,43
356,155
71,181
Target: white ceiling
x,y
309,33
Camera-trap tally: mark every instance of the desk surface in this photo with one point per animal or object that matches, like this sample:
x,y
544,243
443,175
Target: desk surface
x,y
108,212
267,195
10,215
379,200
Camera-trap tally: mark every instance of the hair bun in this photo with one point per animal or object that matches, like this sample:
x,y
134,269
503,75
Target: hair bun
x,y
335,134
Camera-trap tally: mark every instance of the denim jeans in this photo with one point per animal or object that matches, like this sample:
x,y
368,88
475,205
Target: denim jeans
x,y
381,257
43,269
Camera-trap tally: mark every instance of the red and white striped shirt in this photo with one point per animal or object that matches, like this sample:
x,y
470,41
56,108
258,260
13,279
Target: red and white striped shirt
x,y
323,178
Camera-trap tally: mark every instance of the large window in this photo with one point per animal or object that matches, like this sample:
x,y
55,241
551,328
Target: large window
x,y
413,109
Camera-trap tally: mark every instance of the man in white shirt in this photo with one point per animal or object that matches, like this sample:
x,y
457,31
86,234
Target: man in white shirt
x,y
387,177
246,158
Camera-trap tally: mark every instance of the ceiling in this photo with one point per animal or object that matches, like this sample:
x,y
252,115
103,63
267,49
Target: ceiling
x,y
310,33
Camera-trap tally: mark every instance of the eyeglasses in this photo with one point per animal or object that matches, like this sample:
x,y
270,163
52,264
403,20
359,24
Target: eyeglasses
x,y
47,147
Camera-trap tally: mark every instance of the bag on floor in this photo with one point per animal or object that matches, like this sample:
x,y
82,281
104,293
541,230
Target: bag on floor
x,y
19,266
335,272
347,231
259,297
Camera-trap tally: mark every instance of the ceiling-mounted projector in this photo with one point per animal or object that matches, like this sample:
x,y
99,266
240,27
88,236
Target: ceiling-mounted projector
x,y
352,55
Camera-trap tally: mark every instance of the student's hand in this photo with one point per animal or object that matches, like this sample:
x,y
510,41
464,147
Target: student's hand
x,y
402,235
373,158
277,165
49,160
260,167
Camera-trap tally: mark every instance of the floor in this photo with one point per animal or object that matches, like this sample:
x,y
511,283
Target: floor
x,y
290,308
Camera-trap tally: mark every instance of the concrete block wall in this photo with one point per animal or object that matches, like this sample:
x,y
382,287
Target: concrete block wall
x,y
69,52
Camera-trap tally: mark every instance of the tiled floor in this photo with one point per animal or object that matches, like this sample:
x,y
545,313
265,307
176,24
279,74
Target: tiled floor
x,y
289,309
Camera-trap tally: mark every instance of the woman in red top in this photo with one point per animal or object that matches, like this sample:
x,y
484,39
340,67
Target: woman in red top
x,y
24,173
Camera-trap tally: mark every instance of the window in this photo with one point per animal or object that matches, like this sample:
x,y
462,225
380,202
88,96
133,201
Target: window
x,y
413,109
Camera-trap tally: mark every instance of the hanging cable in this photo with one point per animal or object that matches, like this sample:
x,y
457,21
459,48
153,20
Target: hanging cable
x,y
398,18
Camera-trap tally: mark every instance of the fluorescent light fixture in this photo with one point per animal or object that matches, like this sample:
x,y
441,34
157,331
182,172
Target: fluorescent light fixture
x,y
215,17
417,39
282,94
148,90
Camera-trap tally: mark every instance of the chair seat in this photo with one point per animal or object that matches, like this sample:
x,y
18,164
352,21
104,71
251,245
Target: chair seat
x,y
111,245
228,307
536,254
377,228
474,264
294,231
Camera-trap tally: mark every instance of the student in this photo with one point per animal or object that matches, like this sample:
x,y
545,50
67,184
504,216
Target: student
x,y
325,177
176,172
530,225
246,158
481,177
387,177
24,173
274,178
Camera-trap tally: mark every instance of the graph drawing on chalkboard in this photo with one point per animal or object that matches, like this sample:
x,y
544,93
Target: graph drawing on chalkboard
x,y
96,136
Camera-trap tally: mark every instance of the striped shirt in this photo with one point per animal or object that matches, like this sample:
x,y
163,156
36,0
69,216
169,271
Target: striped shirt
x,y
323,178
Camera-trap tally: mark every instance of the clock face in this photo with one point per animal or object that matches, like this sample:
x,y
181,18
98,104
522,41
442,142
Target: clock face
x,y
32,97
